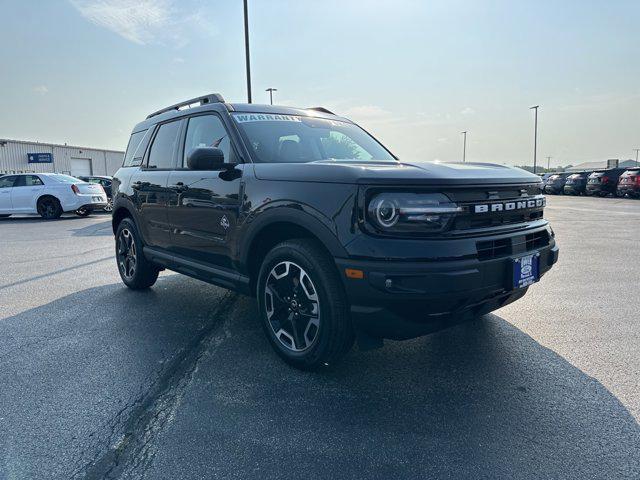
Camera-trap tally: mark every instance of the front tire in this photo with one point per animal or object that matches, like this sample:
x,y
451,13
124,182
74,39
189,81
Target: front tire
x,y
136,271
303,306
49,208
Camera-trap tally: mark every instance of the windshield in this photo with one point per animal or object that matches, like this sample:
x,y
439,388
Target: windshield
x,y
58,177
300,139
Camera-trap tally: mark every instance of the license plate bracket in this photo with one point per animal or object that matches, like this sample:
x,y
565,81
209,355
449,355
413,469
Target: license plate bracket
x,y
526,270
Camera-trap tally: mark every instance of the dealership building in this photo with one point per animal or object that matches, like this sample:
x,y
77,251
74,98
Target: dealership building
x,y
17,156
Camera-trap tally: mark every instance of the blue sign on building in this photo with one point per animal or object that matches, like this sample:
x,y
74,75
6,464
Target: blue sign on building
x,y
40,157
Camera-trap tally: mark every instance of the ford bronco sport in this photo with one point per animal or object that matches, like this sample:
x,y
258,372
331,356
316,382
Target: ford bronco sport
x,y
336,237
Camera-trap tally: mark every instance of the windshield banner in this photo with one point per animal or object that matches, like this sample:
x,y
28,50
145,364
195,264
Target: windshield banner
x,y
264,117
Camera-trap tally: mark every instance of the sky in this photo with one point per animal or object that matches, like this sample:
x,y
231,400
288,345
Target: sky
x,y
414,73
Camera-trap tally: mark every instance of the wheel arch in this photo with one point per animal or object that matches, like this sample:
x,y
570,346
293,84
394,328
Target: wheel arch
x,y
281,226
119,213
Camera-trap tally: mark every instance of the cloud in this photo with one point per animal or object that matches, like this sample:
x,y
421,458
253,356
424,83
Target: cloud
x,y
145,21
41,89
468,111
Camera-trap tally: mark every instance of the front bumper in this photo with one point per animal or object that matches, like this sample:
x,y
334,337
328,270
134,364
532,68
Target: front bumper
x,y
631,190
407,299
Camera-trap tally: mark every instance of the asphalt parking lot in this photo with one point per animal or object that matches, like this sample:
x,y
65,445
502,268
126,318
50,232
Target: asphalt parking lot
x,y
97,381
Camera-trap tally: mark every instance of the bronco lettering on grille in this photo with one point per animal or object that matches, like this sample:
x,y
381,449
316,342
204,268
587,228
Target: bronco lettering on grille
x,y
510,206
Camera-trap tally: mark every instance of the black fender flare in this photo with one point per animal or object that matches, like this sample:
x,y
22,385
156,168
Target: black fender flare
x,y
302,216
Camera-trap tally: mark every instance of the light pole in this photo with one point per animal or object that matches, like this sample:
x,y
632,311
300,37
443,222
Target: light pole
x,y
548,163
271,90
535,139
637,150
464,146
246,49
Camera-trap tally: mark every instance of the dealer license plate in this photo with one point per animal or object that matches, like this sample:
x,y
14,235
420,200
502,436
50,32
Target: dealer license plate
x,y
526,270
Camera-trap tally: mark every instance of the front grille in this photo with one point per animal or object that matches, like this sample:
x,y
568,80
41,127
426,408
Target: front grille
x,y
470,221
503,247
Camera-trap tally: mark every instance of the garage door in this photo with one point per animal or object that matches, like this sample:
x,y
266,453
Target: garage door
x,y
80,167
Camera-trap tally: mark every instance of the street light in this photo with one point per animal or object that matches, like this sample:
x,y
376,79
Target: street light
x,y
464,146
271,90
637,150
246,49
548,162
535,139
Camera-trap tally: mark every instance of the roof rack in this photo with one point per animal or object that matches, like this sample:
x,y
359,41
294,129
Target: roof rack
x,y
321,109
211,98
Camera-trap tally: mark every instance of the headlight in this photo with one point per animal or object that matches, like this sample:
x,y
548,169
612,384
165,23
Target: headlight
x,y
411,212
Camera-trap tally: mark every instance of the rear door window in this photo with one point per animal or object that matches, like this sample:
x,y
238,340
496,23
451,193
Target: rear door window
x,y
32,181
164,146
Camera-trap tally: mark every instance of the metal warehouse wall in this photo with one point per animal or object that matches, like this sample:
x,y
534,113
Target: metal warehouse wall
x,y
13,158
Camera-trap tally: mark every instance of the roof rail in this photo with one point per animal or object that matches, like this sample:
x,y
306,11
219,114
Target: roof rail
x,y
211,98
321,109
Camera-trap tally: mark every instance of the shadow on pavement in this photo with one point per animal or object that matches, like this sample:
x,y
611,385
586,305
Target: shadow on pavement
x,y
481,400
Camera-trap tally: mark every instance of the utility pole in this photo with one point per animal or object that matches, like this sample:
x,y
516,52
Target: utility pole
x,y
246,49
271,90
535,139
464,146
548,163
637,150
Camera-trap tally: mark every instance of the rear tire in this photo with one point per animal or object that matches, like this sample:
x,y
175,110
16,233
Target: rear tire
x,y
136,271
303,306
49,208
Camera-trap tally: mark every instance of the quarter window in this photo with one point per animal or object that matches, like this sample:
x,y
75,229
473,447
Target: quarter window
x,y
164,146
135,143
207,131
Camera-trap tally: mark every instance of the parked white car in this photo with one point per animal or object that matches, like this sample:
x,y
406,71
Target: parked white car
x,y
49,194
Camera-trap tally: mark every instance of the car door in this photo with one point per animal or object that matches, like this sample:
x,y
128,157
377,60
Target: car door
x,y
204,205
25,193
6,186
149,184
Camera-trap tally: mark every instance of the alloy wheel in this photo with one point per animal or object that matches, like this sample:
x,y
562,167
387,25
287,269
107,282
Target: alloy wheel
x,y
127,254
292,306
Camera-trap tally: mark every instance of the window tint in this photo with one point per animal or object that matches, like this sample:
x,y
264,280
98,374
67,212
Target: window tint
x,y
164,145
207,131
7,182
134,144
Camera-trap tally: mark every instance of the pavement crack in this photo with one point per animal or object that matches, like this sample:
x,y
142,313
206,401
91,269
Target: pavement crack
x,y
130,448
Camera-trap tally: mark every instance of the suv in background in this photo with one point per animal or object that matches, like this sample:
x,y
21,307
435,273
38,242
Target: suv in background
x,y
576,183
49,195
333,234
555,183
105,181
604,182
629,183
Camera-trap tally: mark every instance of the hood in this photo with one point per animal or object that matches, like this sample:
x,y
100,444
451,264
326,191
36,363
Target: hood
x,y
394,173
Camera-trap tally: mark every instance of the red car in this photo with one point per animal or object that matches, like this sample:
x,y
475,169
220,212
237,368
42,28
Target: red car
x,y
629,183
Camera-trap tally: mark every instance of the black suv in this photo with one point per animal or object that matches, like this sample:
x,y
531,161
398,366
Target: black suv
x,y
576,183
555,183
604,182
333,234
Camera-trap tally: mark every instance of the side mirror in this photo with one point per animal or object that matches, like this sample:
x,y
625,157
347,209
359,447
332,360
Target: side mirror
x,y
205,158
